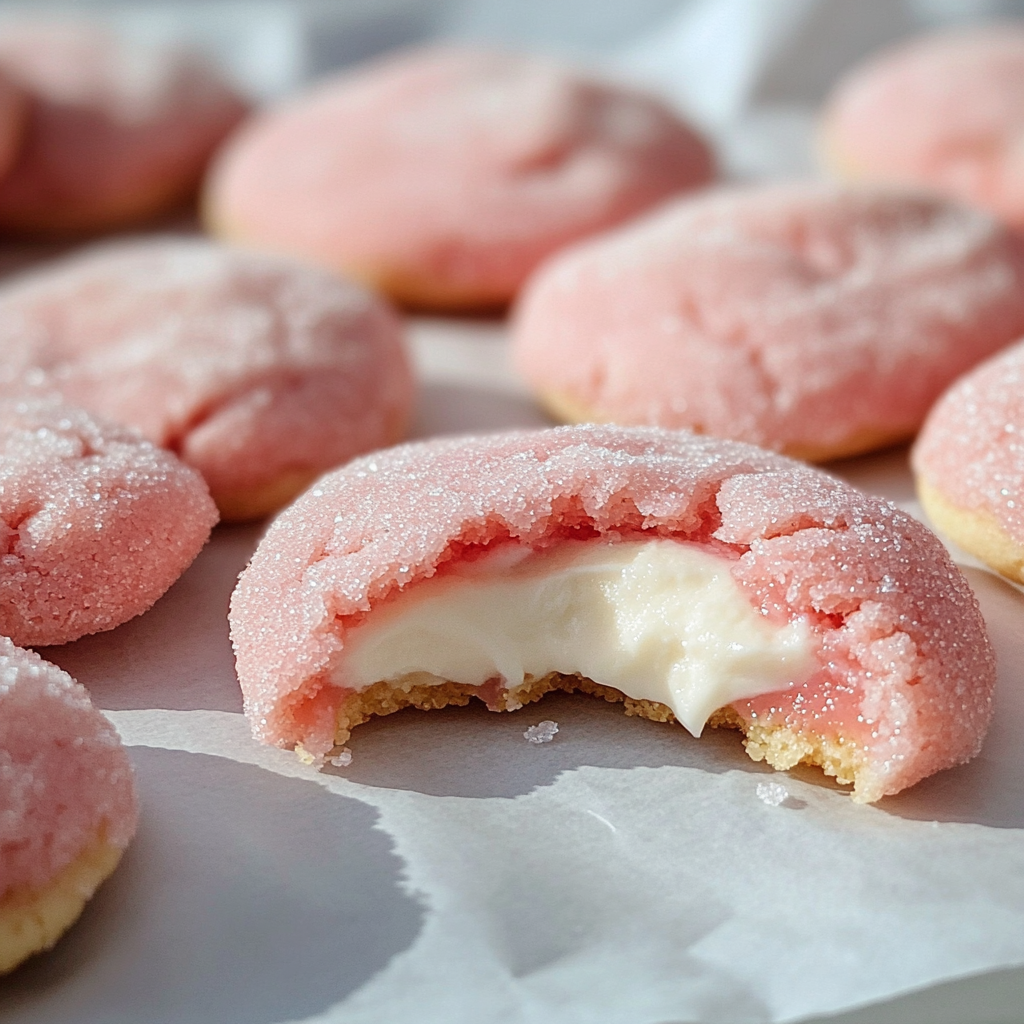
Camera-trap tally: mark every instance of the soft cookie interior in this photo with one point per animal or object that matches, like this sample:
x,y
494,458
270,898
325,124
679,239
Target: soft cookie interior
x,y
659,624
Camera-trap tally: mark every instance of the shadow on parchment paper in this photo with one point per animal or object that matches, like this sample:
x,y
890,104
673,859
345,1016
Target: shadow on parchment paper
x,y
290,896
444,409
177,656
990,789
472,752
994,998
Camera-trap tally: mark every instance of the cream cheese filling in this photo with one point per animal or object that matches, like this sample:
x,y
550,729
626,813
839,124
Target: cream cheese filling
x,y
660,620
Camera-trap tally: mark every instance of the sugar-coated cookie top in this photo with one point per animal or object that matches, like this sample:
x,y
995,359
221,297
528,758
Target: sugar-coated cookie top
x,y
63,772
946,111
790,315
95,523
870,577
972,445
468,163
247,365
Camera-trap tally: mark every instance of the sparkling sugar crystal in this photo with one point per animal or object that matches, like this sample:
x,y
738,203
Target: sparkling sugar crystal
x,y
342,759
772,793
542,732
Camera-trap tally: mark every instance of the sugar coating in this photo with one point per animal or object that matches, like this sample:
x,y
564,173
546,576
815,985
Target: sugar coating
x,y
445,175
906,667
63,772
772,794
542,732
254,369
945,112
95,523
971,448
117,131
811,319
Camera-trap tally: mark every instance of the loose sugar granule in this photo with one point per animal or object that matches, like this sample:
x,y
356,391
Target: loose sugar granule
x,y
542,732
772,793
342,759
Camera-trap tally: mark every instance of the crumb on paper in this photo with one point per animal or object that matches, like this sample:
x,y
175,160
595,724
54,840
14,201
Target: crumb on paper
x,y
772,793
542,732
342,759
305,756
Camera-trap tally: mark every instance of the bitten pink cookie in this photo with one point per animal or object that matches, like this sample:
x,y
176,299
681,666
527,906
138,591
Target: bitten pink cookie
x,y
67,802
116,132
95,523
258,371
969,463
698,580
810,319
944,112
443,176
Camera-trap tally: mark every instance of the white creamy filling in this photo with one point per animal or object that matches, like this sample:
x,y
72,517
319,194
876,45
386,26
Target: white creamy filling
x,y
660,620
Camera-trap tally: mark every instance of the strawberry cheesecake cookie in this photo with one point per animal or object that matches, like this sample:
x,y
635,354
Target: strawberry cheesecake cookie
x,y
810,319
943,112
116,132
698,580
257,370
969,463
95,523
67,802
443,176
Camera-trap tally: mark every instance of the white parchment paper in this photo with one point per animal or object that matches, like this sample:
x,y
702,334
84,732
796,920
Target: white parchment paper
x,y
622,874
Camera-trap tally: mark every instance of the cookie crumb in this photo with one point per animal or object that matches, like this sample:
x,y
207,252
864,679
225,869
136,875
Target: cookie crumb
x,y
772,793
543,732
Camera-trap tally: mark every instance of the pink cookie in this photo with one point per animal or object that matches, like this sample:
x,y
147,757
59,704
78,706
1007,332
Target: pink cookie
x,y
888,672
813,320
944,112
969,463
117,132
95,523
67,802
258,371
443,176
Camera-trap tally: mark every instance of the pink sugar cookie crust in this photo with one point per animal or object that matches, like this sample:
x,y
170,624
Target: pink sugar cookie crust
x,y
945,112
812,319
971,447
116,131
95,523
445,175
64,773
906,668
259,371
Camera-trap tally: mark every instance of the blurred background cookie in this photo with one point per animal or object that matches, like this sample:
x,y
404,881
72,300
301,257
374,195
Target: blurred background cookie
x,y
116,132
943,112
259,371
443,176
812,319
